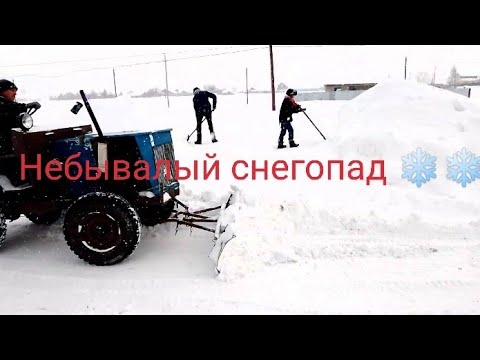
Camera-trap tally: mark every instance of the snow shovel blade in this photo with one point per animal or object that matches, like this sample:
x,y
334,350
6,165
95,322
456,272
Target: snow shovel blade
x,y
223,234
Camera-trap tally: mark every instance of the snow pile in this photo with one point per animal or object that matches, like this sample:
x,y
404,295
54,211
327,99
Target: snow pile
x,y
348,219
260,234
396,117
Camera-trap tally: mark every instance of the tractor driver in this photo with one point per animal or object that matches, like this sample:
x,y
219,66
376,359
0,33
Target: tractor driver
x,y
9,112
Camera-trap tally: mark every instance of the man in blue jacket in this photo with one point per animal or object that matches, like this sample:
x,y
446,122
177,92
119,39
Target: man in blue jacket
x,y
203,108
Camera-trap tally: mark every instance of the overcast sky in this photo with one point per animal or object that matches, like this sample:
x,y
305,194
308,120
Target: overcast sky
x,y
42,70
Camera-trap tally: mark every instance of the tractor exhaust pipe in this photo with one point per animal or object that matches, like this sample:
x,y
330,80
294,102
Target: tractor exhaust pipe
x,y
92,115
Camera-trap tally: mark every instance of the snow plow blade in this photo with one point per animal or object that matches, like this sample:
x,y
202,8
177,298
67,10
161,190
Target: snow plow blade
x,y
224,232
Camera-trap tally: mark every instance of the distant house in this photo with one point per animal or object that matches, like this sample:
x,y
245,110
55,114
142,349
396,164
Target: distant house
x,y
348,87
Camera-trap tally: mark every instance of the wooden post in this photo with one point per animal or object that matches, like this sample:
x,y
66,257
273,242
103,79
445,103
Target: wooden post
x,y
405,68
166,79
246,74
114,82
272,77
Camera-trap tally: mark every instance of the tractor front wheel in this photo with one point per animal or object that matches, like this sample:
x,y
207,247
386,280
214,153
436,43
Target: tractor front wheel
x,y
102,229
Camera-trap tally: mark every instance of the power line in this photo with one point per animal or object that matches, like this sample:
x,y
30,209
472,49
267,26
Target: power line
x,y
136,64
117,57
309,46
224,53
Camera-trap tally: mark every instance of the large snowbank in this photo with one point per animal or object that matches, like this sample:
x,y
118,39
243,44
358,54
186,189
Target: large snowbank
x,y
343,219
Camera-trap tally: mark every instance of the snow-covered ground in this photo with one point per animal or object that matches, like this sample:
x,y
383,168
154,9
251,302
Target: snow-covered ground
x,y
301,246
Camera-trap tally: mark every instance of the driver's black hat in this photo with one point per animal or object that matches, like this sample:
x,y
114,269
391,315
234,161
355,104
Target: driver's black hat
x,y
7,85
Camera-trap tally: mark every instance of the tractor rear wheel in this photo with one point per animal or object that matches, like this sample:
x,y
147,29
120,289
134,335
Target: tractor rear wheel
x,y
102,228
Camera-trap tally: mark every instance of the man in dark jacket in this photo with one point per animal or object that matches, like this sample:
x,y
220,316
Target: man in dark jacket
x,y
289,107
9,112
203,108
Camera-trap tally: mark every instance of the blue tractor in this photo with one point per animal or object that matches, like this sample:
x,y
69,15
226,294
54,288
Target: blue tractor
x,y
103,217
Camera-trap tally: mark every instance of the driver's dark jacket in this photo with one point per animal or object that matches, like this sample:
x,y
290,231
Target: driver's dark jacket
x,y
8,114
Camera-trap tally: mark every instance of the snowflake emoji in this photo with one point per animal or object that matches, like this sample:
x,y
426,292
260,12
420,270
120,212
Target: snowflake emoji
x,y
419,167
463,167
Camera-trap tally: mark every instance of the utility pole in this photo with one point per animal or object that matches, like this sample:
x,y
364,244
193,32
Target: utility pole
x,y
166,78
273,78
246,78
114,82
405,68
